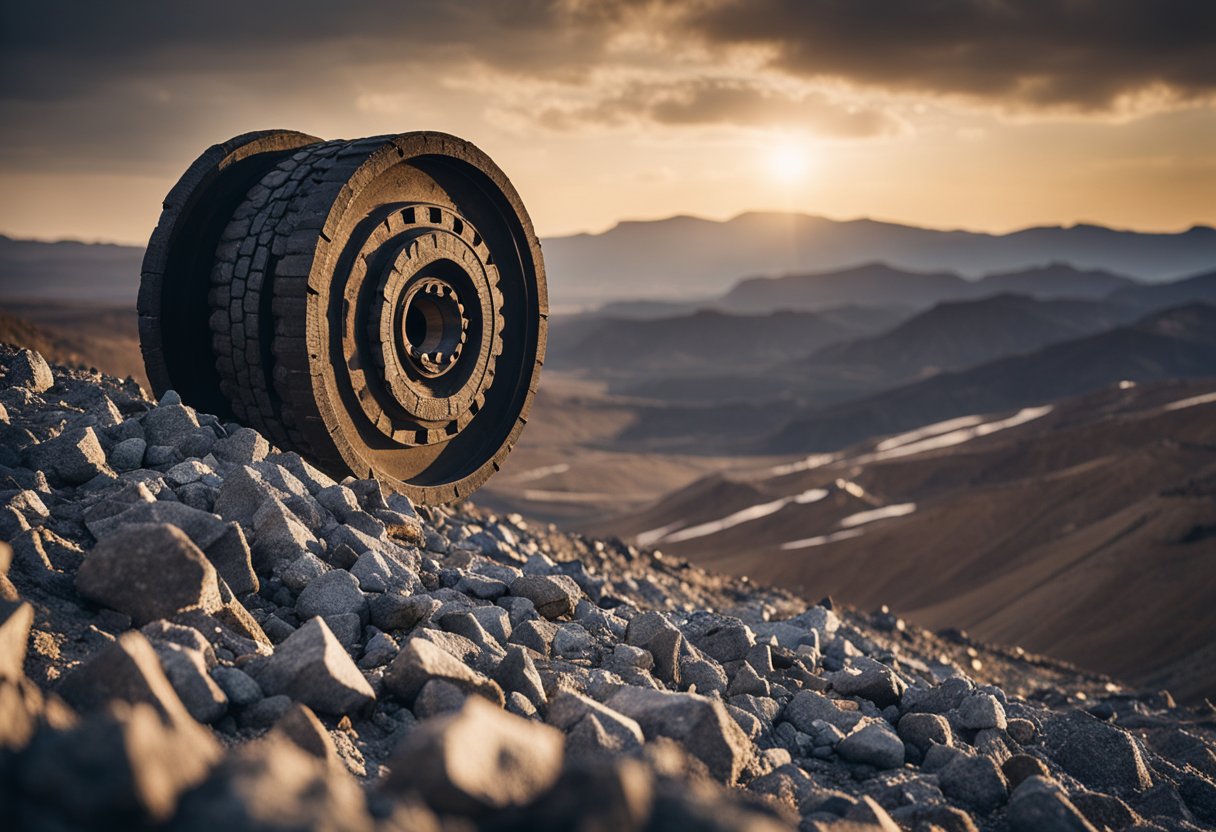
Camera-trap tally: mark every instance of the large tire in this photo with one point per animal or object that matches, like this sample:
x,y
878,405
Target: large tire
x,y
378,305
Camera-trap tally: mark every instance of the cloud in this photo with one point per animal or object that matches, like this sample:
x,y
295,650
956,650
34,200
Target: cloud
x,y
699,102
1085,55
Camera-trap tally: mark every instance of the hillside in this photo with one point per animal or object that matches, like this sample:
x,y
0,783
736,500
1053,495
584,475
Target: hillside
x,y
219,655
1176,343
1025,527
958,334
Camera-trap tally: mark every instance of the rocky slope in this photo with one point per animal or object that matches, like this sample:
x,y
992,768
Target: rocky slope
x,y
200,632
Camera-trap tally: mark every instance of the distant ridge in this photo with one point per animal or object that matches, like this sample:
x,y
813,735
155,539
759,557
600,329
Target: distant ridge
x,y
684,255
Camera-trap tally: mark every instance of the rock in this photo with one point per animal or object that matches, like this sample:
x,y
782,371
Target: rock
x,y
572,641
495,621
873,744
869,679
15,622
74,457
186,670
29,369
1101,756
391,611
122,767
333,593
621,734
149,571
313,668
807,706
300,726
702,726
981,710
244,492
128,454
554,596
222,543
301,571
420,661
380,573
278,536
478,759
265,712
244,446
517,673
721,637
1020,767
537,635
747,682
923,730
705,676
974,781
237,685
378,651
1039,805
438,697
169,424
128,670
274,785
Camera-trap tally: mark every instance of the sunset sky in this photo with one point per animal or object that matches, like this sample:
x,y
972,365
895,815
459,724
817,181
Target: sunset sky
x,y
978,114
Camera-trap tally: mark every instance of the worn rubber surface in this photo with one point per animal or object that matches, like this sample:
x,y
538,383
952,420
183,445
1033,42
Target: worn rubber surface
x,y
378,305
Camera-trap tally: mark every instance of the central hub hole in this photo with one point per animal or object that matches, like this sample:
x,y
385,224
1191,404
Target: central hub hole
x,y
432,321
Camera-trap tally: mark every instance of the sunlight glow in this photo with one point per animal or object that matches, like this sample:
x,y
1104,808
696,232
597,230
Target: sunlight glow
x,y
788,162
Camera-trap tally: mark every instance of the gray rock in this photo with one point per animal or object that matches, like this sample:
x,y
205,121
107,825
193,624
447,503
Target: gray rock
x,y
479,586
128,454
244,491
74,457
868,679
923,730
149,571
379,650
572,641
701,725
1020,767
169,424
554,596
29,369
347,628
242,447
391,611
186,670
278,536
807,706
721,637
333,593
495,621
237,685
1039,805
981,710
537,635
568,709
420,661
312,667
517,673
15,621
478,759
874,744
302,571
1100,755
275,784
380,573
747,682
126,669
976,782
222,543
438,697
161,456
705,675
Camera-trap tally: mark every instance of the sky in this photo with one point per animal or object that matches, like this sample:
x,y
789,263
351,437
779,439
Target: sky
x,y
978,114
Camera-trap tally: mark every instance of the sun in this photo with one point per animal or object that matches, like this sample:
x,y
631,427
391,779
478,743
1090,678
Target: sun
x,y
787,162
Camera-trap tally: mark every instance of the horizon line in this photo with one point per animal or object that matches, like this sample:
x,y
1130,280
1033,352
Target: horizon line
x,y
1080,223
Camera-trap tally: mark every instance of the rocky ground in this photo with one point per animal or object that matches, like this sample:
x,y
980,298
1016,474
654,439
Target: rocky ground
x,y
200,632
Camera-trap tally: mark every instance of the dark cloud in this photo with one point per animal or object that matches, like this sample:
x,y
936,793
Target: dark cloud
x,y
1082,54
707,101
